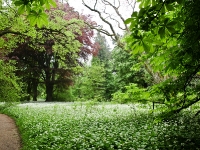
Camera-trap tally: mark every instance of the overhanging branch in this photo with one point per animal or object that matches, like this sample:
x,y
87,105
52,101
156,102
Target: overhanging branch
x,y
4,32
102,18
117,11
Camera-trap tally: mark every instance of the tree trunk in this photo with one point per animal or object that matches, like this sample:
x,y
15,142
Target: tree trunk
x,y
153,105
35,85
49,86
49,92
28,98
50,78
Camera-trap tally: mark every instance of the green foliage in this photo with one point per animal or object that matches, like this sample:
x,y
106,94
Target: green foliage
x,y
123,70
104,49
104,57
78,126
65,95
90,84
35,10
165,35
132,94
10,85
51,51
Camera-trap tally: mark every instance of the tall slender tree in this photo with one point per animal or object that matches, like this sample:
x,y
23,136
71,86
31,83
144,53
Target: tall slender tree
x,y
104,48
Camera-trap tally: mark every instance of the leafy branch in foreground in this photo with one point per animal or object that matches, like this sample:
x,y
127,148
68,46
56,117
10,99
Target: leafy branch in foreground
x,y
166,35
34,10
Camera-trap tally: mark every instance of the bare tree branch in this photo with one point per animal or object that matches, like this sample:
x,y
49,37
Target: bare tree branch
x,y
95,4
117,12
130,4
108,18
119,26
100,29
103,19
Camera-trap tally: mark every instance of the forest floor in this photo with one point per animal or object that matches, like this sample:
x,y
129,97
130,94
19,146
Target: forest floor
x,y
9,135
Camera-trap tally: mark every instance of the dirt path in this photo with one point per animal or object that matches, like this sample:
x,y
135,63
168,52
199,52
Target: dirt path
x,y
9,136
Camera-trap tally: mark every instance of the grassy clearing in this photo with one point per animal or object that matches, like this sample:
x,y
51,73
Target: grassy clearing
x,y
71,126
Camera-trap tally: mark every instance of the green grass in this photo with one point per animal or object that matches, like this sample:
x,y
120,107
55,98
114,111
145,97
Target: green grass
x,y
66,126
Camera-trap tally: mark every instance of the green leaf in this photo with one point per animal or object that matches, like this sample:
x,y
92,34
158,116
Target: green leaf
x,y
28,8
149,40
48,6
157,42
179,1
146,47
129,20
18,3
39,18
44,19
166,20
154,2
173,23
141,5
134,14
42,2
169,7
137,37
44,16
32,17
146,3
152,31
39,23
161,32
163,10
52,2
142,12
136,48
21,9
132,26
171,29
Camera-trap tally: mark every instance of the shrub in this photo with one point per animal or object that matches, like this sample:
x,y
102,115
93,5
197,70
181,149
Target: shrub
x,y
64,96
132,94
10,85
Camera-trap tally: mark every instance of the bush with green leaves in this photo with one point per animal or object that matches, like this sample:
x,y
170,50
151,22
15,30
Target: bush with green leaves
x,y
64,95
90,84
10,85
132,94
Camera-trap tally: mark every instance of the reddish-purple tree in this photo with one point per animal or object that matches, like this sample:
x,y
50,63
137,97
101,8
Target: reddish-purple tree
x,y
39,62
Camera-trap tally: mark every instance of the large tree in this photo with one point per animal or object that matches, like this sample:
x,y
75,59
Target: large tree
x,y
104,48
104,58
51,54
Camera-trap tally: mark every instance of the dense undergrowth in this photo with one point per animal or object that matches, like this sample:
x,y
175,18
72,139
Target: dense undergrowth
x,y
84,126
